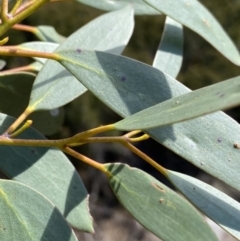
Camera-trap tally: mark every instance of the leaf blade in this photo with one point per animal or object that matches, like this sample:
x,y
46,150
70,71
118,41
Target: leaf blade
x,y
157,207
195,16
30,215
49,172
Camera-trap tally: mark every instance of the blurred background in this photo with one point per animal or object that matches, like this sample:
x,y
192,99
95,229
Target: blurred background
x,y
202,65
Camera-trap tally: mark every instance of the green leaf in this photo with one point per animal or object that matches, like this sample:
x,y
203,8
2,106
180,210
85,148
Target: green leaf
x,y
218,206
49,172
169,55
208,139
156,207
27,215
203,101
15,89
48,122
140,7
195,16
14,92
48,34
54,85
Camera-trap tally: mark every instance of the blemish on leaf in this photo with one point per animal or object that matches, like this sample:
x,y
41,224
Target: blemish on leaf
x,y
161,200
236,145
79,51
219,140
158,187
123,78
202,163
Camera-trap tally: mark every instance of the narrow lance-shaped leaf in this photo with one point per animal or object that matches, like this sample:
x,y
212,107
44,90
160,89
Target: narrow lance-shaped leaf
x,y
169,54
158,208
128,86
203,101
48,171
27,215
140,7
195,16
218,206
54,85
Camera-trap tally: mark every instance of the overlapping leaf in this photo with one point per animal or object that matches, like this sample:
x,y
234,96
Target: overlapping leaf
x,y
169,54
140,7
156,207
195,16
27,215
218,206
128,86
48,34
15,89
55,86
49,172
206,100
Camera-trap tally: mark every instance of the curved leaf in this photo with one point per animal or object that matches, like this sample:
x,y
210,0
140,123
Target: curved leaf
x,y
218,206
195,16
203,101
55,86
49,172
27,215
140,7
209,139
156,207
169,54
48,34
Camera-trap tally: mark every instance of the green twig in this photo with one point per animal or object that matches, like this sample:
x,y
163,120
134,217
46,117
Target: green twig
x,y
4,11
15,8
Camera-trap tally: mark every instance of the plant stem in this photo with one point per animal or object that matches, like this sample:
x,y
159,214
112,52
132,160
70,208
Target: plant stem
x,y
22,129
8,23
4,11
23,27
18,121
145,157
86,160
15,8
17,51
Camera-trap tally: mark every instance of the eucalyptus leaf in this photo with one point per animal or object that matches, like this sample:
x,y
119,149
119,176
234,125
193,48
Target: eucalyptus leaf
x,y
54,85
49,172
200,102
15,91
157,207
169,54
140,7
27,215
195,16
48,34
218,206
122,86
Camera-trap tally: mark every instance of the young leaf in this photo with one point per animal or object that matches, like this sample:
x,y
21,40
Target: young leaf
x,y
195,16
2,64
218,206
140,7
203,101
168,58
54,85
49,172
157,207
27,215
128,86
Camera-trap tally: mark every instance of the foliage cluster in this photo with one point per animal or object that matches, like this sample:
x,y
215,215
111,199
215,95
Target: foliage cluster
x,y
42,204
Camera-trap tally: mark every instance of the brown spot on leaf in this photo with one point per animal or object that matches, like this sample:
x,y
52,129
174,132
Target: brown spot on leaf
x,y
158,187
161,200
236,145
